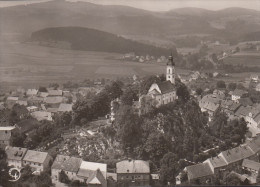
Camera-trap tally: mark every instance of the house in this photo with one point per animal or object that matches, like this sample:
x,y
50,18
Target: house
x,y
216,164
53,102
42,115
31,92
250,166
6,135
43,94
134,172
11,101
220,94
199,173
254,145
254,78
32,108
70,165
209,104
38,161
230,107
52,93
22,102
65,107
252,116
246,101
93,173
165,92
14,156
235,156
237,94
35,101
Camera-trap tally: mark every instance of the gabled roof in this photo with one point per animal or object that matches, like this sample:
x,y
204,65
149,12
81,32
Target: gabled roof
x,y
5,136
9,128
15,153
257,118
236,154
42,115
87,168
242,111
12,98
53,100
254,145
199,170
31,92
217,162
43,94
234,107
65,107
66,163
246,101
97,179
251,164
238,92
166,87
55,92
35,156
133,166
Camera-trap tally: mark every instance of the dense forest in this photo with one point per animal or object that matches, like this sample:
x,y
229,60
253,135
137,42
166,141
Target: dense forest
x,y
87,39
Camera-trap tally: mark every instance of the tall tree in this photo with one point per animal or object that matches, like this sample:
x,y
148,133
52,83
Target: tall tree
x,y
169,167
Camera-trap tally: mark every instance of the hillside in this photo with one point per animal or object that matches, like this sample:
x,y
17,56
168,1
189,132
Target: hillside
x,y
183,28
87,39
127,21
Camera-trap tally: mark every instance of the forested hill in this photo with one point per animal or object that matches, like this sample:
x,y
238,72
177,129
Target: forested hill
x,y
94,40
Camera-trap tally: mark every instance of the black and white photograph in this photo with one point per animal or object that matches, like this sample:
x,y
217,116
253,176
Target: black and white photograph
x,y
129,93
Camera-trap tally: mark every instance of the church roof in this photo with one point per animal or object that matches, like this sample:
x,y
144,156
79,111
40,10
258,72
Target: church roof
x,y
166,87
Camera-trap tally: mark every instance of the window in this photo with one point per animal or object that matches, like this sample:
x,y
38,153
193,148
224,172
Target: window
x,y
39,164
169,77
5,132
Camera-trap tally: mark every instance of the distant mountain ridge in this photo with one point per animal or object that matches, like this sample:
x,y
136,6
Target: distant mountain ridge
x,y
94,40
128,21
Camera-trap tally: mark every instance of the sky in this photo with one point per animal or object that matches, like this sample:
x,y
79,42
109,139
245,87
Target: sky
x,y
159,5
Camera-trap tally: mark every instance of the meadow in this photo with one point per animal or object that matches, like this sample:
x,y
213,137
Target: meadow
x,y
244,58
27,65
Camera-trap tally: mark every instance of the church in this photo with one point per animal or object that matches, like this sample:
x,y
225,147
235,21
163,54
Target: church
x,y
165,92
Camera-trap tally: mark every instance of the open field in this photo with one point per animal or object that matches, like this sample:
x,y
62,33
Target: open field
x,y
31,65
244,58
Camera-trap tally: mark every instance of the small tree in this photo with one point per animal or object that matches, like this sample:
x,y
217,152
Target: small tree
x,y
63,178
221,84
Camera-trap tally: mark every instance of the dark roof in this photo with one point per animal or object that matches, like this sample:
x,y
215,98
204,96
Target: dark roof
x,y
251,164
199,170
246,101
35,156
234,107
15,153
66,163
217,162
254,145
166,87
237,154
239,92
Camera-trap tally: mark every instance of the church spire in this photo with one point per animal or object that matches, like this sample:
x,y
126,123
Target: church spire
x,y
170,70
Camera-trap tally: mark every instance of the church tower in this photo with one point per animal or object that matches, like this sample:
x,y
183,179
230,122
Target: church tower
x,y
170,70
